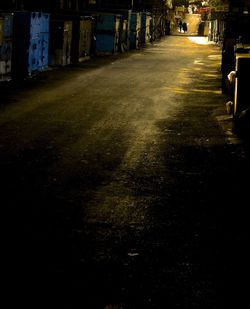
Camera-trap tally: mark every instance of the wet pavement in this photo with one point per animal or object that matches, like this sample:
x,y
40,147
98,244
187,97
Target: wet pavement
x,y
125,184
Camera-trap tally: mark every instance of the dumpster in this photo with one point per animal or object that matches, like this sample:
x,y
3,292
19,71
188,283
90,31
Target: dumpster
x,y
6,33
85,37
145,27
61,39
135,30
108,30
241,92
30,43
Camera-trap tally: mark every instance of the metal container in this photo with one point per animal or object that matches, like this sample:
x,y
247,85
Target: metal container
x,y
124,39
145,27
241,93
6,33
108,30
85,38
30,53
61,39
135,28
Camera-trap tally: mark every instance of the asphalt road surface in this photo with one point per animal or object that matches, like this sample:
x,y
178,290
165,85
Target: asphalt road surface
x,y
124,184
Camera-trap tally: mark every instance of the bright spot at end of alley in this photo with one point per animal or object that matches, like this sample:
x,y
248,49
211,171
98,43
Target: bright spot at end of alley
x,y
200,40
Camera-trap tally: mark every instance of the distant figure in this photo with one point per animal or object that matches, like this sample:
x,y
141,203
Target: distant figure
x,y
180,25
184,26
167,27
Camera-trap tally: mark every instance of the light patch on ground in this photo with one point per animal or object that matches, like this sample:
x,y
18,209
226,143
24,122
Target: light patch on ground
x,y
215,57
215,75
206,91
201,40
175,89
199,61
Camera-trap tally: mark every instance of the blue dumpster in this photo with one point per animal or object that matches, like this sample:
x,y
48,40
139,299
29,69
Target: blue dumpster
x,y
108,29
30,43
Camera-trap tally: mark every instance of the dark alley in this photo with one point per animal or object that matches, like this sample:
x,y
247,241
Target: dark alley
x,y
125,183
